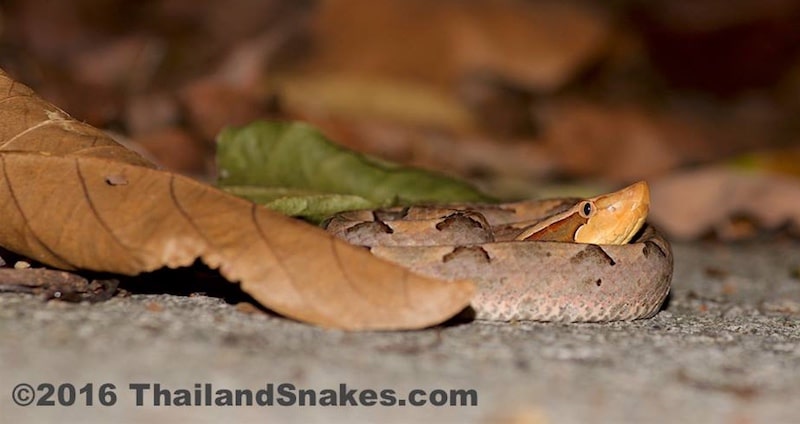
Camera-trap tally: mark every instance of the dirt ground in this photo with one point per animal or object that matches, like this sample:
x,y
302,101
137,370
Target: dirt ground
x,y
725,349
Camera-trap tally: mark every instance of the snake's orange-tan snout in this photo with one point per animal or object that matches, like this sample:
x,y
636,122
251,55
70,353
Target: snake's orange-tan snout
x,y
616,217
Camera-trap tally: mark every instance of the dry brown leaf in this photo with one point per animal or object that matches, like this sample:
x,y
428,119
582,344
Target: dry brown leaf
x,y
57,206
625,142
619,143
693,203
539,45
375,99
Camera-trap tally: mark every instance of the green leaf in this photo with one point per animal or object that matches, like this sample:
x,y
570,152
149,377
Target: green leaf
x,y
311,205
295,156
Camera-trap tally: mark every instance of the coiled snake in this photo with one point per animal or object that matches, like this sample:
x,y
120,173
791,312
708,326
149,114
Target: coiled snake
x,y
548,260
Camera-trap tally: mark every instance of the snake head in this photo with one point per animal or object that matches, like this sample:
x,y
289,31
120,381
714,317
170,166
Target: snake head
x,y
614,218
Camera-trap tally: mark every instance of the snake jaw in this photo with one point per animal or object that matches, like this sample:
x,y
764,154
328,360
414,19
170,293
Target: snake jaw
x,y
618,216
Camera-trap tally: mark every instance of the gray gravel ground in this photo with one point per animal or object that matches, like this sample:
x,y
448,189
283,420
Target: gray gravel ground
x,y
725,350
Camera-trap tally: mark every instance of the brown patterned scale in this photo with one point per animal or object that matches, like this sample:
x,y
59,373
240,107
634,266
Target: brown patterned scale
x,y
517,279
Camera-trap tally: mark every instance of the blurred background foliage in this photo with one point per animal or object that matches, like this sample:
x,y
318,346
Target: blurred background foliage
x,y
699,98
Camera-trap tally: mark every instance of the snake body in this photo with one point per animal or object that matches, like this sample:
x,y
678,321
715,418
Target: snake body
x,y
527,257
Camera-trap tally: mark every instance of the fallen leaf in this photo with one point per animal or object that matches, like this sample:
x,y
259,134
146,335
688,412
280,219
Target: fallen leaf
x,y
296,156
310,205
57,208
540,45
625,142
374,98
690,204
30,124
619,143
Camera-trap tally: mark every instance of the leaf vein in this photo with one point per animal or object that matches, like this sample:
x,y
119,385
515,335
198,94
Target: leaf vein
x,y
184,214
93,208
15,200
254,217
27,130
353,286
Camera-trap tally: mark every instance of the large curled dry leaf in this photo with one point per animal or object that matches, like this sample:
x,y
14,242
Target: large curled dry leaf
x,y
72,198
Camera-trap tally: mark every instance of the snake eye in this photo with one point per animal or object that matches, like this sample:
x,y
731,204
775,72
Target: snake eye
x,y
586,209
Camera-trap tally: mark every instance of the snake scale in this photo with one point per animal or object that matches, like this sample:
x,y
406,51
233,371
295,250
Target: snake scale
x,y
570,260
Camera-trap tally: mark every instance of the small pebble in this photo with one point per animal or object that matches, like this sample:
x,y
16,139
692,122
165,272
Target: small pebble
x,y
22,265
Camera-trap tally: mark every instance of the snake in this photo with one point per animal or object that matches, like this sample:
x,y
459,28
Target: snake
x,y
564,259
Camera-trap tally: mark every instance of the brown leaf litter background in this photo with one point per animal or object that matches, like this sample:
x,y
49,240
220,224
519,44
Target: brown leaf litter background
x,y
513,94
72,198
525,97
